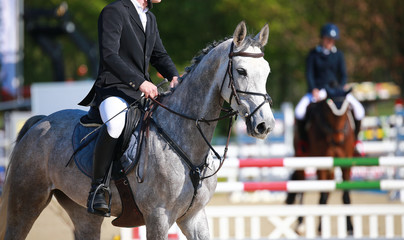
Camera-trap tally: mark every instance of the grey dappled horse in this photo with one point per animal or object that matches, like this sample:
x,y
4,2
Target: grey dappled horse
x,y
37,168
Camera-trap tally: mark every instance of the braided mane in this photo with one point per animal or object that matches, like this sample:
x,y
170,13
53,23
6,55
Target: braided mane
x,y
249,41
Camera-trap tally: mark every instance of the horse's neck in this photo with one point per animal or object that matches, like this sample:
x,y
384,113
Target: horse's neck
x,y
198,96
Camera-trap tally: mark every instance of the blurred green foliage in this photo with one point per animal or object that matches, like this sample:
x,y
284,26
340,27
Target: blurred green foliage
x,y
371,36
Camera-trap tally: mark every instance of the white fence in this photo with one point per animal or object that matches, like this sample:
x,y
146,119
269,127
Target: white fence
x,y
272,222
277,222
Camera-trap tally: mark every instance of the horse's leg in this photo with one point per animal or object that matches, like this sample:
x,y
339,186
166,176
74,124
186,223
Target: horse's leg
x,y
291,197
323,200
300,218
347,200
157,224
86,226
324,197
195,226
323,175
296,175
26,199
346,175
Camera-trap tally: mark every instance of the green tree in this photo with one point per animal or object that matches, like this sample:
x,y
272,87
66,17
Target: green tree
x,y
84,14
371,36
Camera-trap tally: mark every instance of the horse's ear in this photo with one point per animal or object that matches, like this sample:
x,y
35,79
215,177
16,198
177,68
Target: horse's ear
x,y
239,34
262,36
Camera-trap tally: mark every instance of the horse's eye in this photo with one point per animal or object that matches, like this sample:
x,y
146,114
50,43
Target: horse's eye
x,y
242,71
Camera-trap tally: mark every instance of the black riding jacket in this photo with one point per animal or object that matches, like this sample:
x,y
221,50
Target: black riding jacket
x,y
325,69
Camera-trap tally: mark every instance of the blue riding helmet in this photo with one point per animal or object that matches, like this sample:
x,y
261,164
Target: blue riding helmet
x,y
330,30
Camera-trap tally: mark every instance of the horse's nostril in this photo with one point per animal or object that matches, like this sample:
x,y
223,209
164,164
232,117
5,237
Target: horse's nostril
x,y
262,128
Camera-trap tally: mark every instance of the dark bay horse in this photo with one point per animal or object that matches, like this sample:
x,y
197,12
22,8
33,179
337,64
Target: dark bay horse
x,y
330,132
233,71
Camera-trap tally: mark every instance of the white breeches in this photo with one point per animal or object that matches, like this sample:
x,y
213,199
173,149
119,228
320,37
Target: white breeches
x,y
111,113
301,107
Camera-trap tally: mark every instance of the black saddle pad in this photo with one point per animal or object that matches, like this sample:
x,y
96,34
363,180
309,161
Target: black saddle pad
x,y
84,156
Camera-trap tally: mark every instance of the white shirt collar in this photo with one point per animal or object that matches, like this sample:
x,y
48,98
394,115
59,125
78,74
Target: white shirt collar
x,y
142,13
325,51
139,7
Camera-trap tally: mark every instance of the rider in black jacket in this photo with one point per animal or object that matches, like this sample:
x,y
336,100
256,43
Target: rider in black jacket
x,y
129,40
325,72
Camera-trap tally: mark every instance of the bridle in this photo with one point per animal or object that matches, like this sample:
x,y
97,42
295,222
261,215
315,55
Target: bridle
x,y
195,171
232,86
231,113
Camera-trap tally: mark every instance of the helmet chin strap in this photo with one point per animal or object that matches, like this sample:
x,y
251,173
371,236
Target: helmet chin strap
x,y
149,4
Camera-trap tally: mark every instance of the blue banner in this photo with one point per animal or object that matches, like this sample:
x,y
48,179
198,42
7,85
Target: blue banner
x,y
9,45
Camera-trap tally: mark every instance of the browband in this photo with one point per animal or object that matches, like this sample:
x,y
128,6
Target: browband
x,y
246,54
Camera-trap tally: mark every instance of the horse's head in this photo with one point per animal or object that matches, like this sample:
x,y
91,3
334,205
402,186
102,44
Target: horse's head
x,y
335,122
245,84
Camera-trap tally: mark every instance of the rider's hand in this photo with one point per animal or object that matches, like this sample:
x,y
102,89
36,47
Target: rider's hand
x,y
174,82
149,89
315,93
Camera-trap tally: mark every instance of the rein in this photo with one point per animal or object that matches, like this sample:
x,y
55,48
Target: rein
x,y
195,173
229,115
197,121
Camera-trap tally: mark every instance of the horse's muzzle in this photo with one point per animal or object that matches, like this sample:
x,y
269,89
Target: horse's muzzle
x,y
261,128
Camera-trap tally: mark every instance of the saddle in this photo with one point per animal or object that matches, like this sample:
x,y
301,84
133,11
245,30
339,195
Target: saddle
x,y
85,133
128,151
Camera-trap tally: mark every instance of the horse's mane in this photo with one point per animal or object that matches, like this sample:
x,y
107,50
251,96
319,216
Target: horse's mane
x,y
248,41
201,54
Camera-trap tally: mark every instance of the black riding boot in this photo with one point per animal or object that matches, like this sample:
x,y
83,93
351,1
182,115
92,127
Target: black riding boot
x,y
103,155
358,151
302,144
301,125
357,128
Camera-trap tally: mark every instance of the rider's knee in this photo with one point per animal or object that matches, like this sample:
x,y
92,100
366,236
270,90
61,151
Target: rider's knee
x,y
113,113
357,107
301,108
115,129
